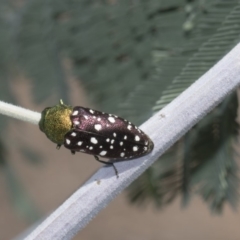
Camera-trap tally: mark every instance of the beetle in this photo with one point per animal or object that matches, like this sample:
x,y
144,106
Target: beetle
x,y
93,132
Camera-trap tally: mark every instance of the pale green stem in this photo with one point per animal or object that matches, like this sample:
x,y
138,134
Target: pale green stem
x,y
19,113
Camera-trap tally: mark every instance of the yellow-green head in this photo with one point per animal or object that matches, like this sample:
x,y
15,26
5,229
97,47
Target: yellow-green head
x,y
55,122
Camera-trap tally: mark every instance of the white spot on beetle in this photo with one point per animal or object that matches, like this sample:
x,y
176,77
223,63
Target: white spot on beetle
x,y
98,127
111,119
129,127
114,134
86,146
135,148
110,114
112,141
94,117
103,153
111,146
86,117
108,139
82,150
79,143
91,148
145,148
73,134
99,119
107,125
75,113
121,143
91,111
76,122
100,147
68,141
93,140
122,154
125,137
137,138
124,149
146,142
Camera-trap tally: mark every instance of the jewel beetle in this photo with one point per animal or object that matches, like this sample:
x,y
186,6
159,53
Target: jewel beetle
x,y
93,132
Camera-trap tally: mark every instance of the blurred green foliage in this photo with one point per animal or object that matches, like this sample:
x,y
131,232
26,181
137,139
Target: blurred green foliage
x,y
133,58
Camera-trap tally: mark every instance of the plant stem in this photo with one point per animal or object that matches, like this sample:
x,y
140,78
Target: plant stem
x,y
179,117
19,113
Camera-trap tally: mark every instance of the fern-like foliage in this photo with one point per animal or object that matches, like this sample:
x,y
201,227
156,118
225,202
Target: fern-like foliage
x,y
211,156
38,50
170,62
161,183
122,59
207,150
207,50
133,57
203,161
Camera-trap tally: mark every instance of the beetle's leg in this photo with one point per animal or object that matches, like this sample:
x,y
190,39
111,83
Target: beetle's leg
x,y
58,146
108,163
73,152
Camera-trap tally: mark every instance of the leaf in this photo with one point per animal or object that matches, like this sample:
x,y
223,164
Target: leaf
x,y
160,183
39,51
120,56
207,50
214,170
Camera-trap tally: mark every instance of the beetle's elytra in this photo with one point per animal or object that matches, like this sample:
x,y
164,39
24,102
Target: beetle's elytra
x,y
93,132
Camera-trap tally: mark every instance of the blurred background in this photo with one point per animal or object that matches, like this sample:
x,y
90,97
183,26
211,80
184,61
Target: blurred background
x,y
130,58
